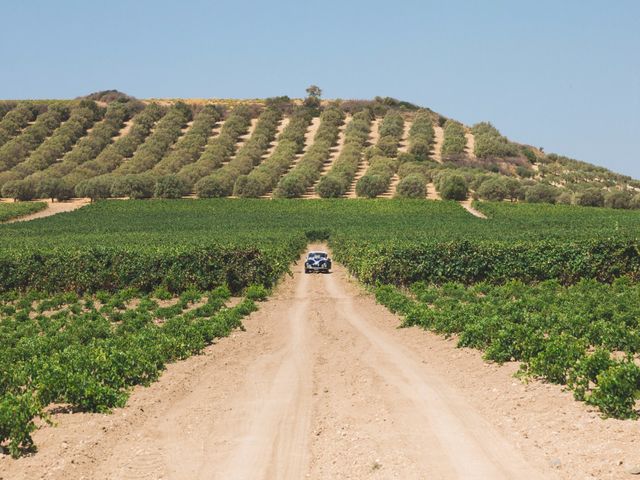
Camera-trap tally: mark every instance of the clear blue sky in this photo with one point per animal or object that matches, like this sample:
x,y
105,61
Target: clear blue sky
x,y
562,74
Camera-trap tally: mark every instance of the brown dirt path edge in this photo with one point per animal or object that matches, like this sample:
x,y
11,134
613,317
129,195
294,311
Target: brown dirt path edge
x,y
53,208
324,385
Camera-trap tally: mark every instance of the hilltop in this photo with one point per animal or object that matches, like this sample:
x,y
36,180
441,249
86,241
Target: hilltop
x,y
109,144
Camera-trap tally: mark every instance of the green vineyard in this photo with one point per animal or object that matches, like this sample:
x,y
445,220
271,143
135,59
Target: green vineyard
x,y
96,301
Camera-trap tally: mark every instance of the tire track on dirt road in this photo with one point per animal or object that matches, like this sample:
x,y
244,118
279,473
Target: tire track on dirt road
x,y
321,385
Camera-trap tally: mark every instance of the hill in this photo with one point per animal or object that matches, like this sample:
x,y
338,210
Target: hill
x,y
109,144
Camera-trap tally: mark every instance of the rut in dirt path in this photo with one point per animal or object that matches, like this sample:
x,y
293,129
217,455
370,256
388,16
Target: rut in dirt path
x,y
317,387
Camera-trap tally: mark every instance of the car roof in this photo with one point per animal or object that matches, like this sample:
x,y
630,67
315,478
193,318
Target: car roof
x,y
315,252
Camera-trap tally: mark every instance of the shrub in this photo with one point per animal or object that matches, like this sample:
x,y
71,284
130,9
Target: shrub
x,y
541,193
412,186
410,168
421,135
493,189
332,186
617,390
618,199
635,201
170,186
291,186
133,186
565,198
54,188
454,142
19,190
453,187
215,186
591,197
490,143
388,146
220,148
371,185
95,188
256,292
378,177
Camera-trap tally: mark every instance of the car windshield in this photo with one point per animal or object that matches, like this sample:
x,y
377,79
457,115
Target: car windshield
x,y
317,254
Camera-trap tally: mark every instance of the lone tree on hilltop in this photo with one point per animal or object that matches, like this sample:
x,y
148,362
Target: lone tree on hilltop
x,y
313,96
314,91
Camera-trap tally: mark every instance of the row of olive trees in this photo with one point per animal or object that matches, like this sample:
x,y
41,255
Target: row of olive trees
x,y
58,181
189,147
82,117
343,171
220,148
421,136
262,179
86,164
19,148
222,181
308,170
490,143
383,162
15,120
454,142
498,188
414,176
156,145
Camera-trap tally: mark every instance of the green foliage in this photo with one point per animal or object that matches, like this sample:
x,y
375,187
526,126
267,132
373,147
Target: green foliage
x,y
189,147
377,179
18,149
89,359
590,197
494,189
618,389
256,292
541,193
337,181
307,171
14,121
452,187
618,199
265,176
547,327
133,186
421,136
170,186
157,144
53,148
220,148
489,142
9,211
412,186
19,190
455,141
95,188
221,183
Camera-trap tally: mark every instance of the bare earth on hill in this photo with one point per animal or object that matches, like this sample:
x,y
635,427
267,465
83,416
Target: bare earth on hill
x,y
322,384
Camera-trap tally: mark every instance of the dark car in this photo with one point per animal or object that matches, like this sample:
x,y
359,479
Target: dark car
x,y
317,262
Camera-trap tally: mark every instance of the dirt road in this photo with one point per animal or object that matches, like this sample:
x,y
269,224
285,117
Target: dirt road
x,y
323,385
53,208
